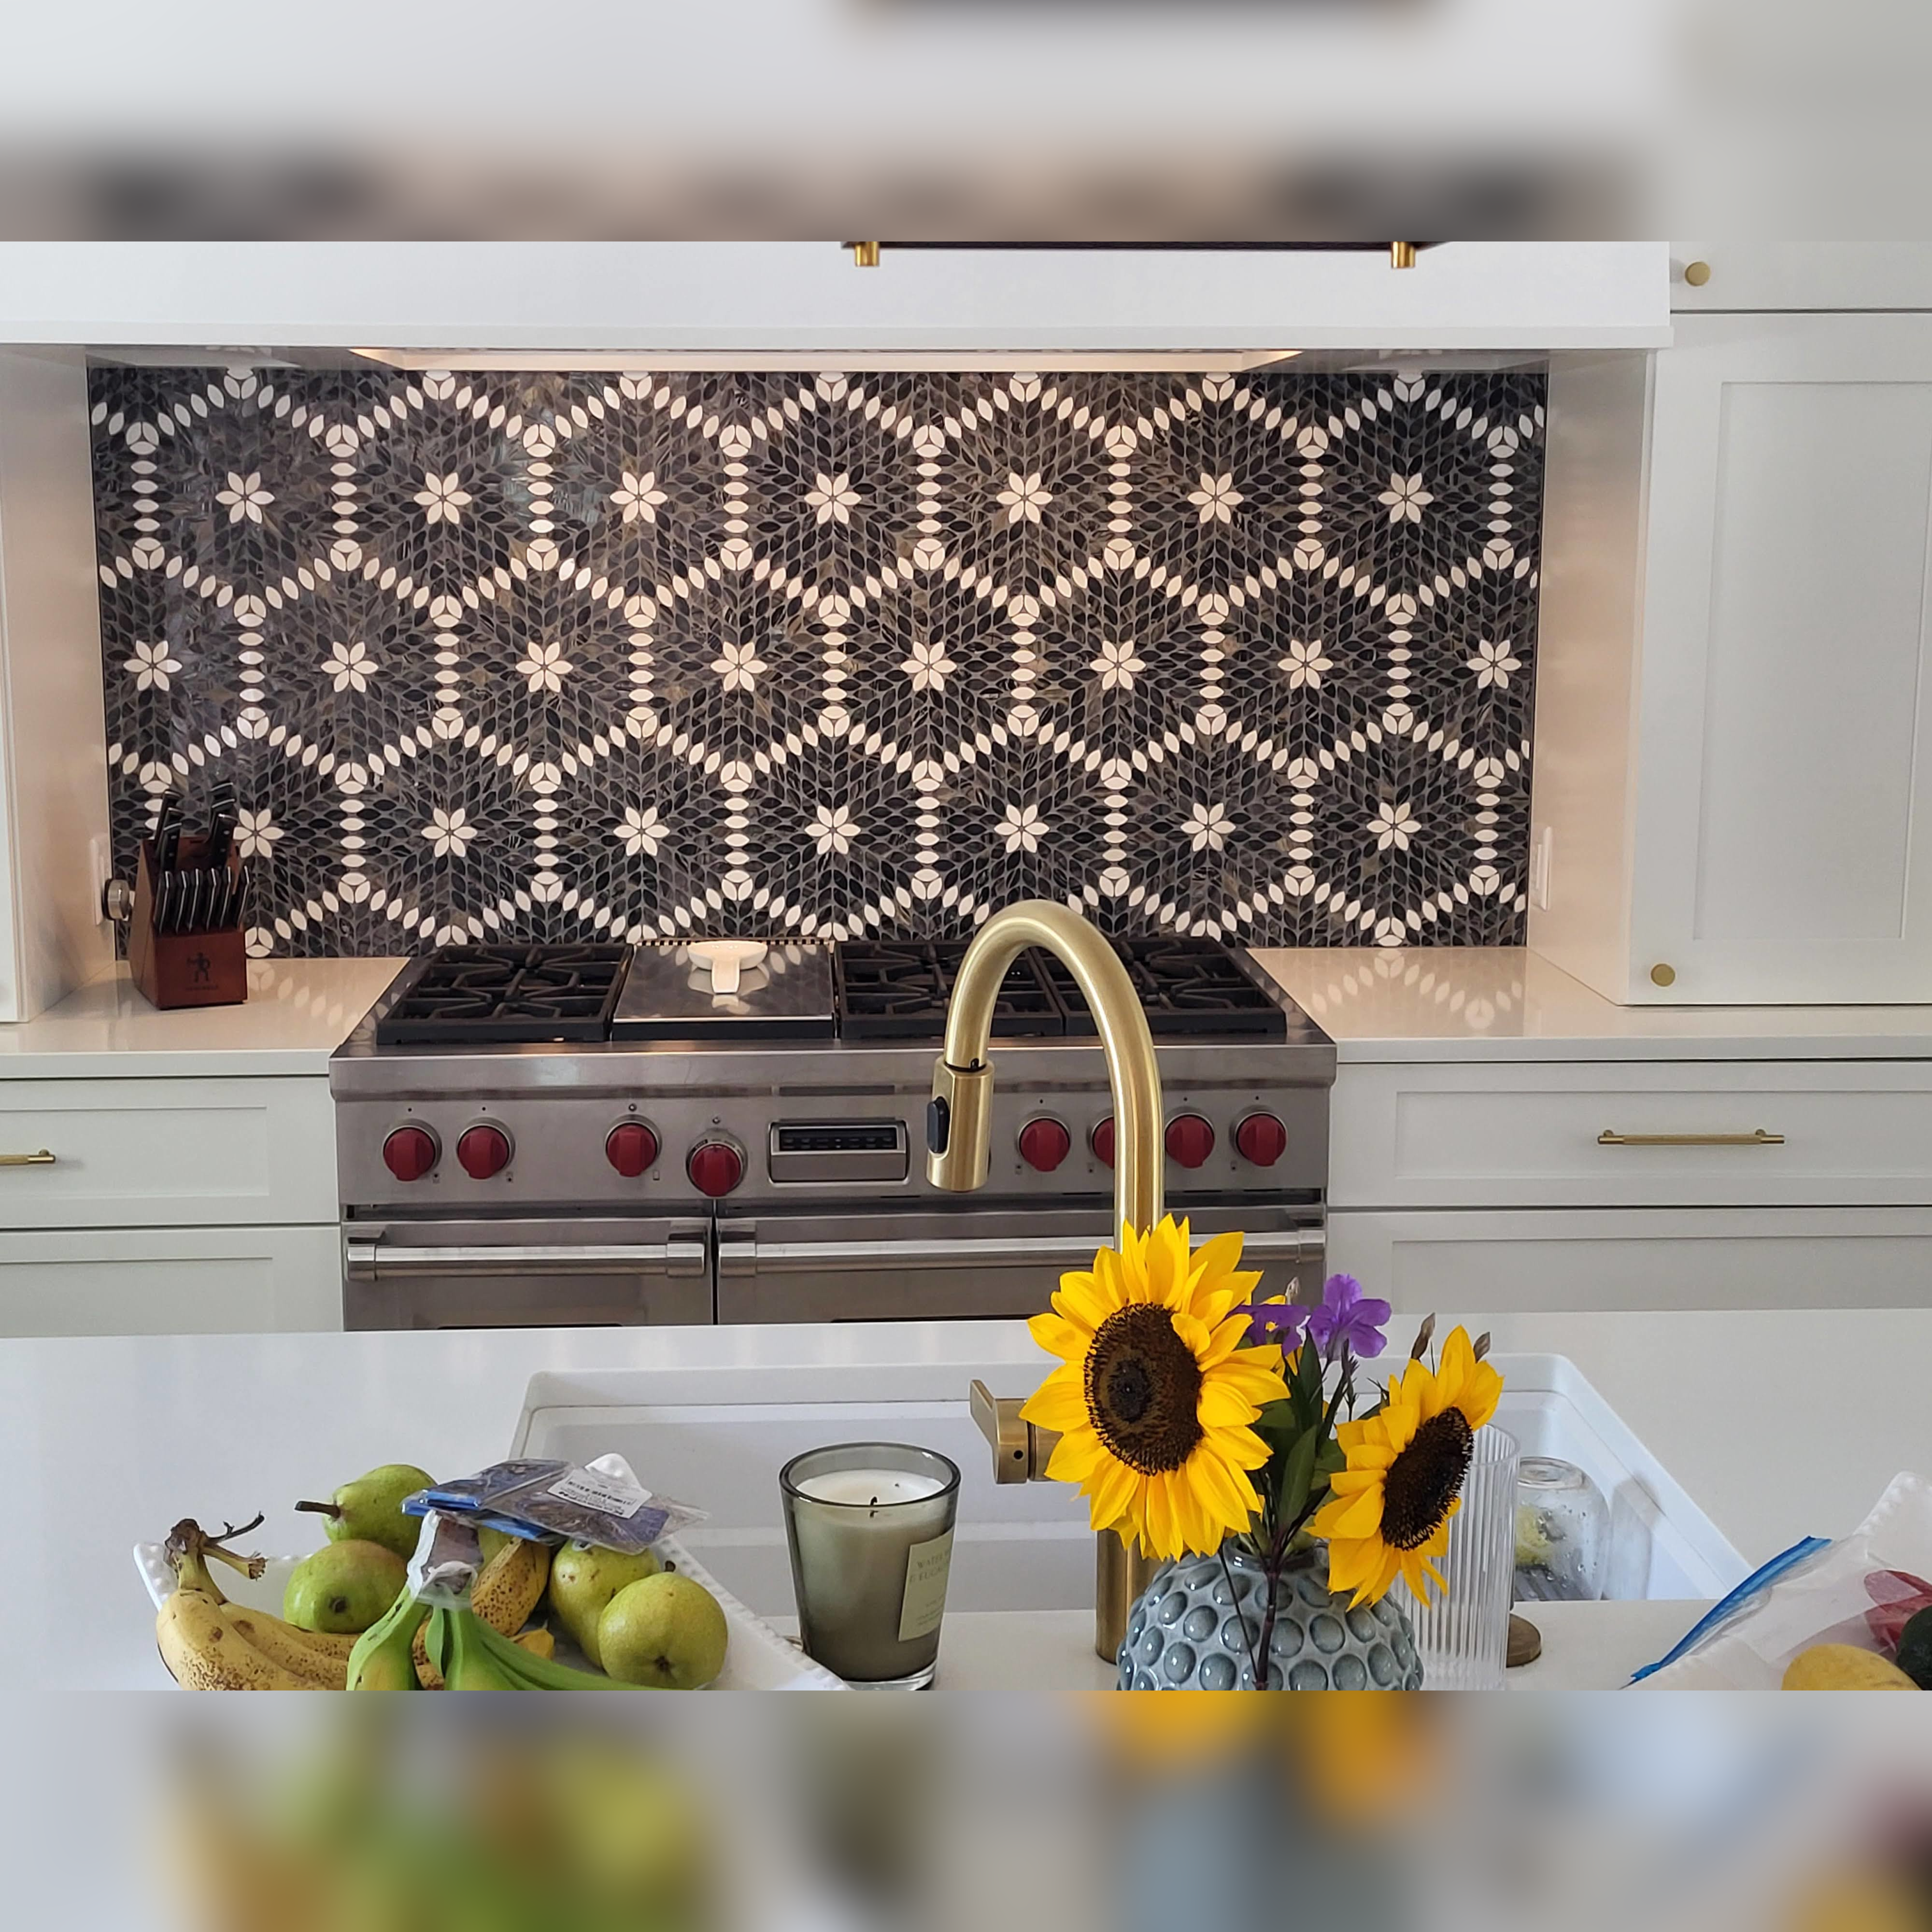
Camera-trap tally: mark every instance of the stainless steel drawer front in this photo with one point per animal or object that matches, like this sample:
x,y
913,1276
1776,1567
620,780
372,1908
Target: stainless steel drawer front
x,y
574,1273
917,1266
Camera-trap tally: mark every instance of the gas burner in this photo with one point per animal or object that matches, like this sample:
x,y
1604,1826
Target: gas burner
x,y
899,989
506,995
1188,989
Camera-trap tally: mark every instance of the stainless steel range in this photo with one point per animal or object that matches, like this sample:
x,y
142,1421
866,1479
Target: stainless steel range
x,y
578,1135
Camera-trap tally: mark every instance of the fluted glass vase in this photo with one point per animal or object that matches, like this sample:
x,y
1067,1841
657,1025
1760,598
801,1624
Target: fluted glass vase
x,y
1463,1633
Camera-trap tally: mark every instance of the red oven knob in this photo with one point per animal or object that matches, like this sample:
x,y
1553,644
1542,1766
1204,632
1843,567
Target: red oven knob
x,y
715,1167
1044,1144
1261,1139
483,1151
410,1153
1190,1140
632,1149
1101,1140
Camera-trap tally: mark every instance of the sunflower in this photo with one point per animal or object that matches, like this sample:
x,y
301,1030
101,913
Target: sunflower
x,y
1388,1511
1155,1396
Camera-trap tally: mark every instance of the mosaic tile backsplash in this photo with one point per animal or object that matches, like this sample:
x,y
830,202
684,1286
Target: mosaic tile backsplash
x,y
581,656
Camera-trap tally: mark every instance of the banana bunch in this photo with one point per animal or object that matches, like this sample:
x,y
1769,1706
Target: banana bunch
x,y
209,1644
507,1590
457,1634
469,1655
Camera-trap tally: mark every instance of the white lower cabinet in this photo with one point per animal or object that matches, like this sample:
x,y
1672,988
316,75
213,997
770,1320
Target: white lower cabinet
x,y
1687,1133
1504,1261
156,1153
169,1281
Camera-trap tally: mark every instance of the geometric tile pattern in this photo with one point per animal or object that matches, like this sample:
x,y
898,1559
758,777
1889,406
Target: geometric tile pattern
x,y
575,656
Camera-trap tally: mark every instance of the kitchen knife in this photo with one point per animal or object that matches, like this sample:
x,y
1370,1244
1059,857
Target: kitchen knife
x,y
167,832
225,914
164,891
197,903
245,880
220,825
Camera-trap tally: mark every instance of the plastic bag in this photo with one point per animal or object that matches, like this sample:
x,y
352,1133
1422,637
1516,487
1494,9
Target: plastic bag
x,y
601,1503
1850,1592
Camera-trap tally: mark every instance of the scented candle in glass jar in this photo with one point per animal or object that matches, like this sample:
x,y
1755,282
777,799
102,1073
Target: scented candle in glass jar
x,y
869,1526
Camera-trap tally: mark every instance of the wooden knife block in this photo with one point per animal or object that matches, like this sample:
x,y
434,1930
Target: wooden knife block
x,y
183,969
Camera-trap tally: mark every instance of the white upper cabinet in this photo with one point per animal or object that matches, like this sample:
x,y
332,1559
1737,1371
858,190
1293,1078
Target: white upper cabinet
x,y
751,300
1752,641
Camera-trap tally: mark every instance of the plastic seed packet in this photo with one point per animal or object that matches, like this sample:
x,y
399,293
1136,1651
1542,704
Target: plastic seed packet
x,y
535,1499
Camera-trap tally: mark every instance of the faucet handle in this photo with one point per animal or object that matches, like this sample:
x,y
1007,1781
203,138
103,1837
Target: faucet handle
x,y
1021,1452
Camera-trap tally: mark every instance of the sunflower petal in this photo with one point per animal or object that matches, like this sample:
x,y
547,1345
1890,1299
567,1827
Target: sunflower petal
x,y
1058,1335
1214,1259
1060,1403
1223,1406
1480,1393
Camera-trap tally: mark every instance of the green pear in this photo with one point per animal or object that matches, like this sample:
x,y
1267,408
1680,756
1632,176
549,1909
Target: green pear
x,y
369,1509
668,1632
584,1578
344,1587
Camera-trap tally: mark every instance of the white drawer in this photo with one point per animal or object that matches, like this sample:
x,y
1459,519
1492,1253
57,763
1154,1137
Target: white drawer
x,y
1842,1132
1556,1261
170,1281
161,1153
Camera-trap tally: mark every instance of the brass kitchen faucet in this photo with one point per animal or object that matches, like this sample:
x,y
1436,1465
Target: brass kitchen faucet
x,y
959,1156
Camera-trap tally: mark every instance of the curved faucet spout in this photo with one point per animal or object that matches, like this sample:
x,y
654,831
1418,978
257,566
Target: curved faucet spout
x,y
959,1116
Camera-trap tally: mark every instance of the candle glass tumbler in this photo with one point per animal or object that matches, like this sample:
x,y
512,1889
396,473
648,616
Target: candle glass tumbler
x,y
869,1526
1461,1634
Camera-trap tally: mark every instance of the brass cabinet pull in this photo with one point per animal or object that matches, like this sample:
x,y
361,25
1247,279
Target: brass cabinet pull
x,y
43,1159
1757,1137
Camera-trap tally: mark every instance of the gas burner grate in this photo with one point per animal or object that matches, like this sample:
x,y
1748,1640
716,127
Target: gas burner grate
x,y
1189,989
474,995
898,990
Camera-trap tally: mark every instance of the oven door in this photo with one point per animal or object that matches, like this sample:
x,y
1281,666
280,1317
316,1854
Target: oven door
x,y
973,1264
586,1272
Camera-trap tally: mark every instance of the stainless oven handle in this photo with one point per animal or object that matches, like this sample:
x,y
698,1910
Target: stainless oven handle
x,y
376,1261
745,1254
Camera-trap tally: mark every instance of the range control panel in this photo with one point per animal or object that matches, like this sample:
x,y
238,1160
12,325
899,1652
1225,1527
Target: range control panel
x,y
510,1152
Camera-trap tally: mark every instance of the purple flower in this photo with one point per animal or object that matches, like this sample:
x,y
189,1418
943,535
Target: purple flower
x,y
1348,1318
1280,1321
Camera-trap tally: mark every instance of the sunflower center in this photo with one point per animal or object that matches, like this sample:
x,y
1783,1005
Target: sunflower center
x,y
1424,1480
1144,1390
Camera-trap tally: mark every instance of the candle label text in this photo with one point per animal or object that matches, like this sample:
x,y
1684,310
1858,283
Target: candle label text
x,y
927,1566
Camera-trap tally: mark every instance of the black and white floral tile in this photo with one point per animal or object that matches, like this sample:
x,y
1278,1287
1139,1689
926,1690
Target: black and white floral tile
x,y
579,656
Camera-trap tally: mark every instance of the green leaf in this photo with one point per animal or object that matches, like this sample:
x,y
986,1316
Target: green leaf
x,y
1278,1425
1331,1459
1297,1473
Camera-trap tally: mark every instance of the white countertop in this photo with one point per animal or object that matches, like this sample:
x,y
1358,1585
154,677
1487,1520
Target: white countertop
x,y
1779,1422
297,1013
1507,1003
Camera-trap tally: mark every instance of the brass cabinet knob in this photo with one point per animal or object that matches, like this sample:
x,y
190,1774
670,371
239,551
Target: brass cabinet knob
x,y
1697,273
1662,975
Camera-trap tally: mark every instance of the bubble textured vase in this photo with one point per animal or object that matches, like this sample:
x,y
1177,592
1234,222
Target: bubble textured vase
x,y
1195,1626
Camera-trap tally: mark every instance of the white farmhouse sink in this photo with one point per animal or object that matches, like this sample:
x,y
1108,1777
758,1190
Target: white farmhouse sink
x,y
717,1436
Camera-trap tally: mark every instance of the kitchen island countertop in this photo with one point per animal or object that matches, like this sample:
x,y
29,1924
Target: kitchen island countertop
x,y
1779,1422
